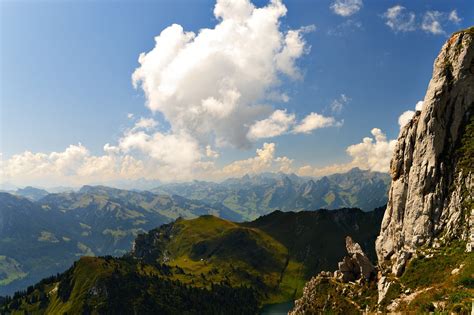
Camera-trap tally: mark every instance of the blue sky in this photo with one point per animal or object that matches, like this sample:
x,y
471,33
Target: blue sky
x,y
67,67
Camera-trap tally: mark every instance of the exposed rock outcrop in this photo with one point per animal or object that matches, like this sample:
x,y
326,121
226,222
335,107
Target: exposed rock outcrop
x,y
427,198
355,266
430,212
337,292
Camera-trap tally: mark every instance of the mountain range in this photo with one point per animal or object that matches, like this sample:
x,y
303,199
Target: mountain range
x,y
253,196
41,238
43,233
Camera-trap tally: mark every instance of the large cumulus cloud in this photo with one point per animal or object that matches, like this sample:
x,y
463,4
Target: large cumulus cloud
x,y
215,84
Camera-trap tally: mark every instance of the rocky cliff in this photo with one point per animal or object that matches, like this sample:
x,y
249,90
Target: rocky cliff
x,y
432,179
424,249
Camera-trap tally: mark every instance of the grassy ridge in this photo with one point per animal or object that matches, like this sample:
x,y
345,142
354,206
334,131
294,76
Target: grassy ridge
x,y
208,259
212,250
47,236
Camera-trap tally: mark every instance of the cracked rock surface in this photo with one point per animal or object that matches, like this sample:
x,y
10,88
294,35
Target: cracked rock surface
x,y
425,198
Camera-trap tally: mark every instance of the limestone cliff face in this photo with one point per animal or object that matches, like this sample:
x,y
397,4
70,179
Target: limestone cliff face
x,y
429,191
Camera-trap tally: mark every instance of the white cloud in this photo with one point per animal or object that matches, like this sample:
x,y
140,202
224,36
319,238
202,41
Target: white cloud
x,y
278,123
432,22
110,149
453,17
373,153
168,157
211,84
315,121
419,105
294,47
346,7
142,153
284,164
399,20
264,160
145,123
211,153
175,150
406,116
75,165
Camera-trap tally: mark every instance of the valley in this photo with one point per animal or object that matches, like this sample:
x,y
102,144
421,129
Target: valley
x,y
269,259
44,233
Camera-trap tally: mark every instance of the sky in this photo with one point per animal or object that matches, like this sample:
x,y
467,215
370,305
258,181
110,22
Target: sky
x,y
104,91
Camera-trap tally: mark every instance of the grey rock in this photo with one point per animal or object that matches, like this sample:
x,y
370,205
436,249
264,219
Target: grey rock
x,y
349,269
356,266
423,205
366,269
382,286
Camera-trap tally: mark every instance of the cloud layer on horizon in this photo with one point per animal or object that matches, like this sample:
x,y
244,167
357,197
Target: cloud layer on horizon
x,y
139,155
143,152
373,153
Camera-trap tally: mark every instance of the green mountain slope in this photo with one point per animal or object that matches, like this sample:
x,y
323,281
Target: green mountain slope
x,y
29,250
41,238
206,257
307,235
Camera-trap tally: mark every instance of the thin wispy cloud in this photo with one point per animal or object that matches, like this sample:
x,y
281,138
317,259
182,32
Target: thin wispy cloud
x,y
399,19
432,23
338,104
348,26
346,7
453,17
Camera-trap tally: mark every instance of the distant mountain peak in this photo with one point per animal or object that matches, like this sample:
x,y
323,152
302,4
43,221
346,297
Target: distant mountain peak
x,y
357,170
31,193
